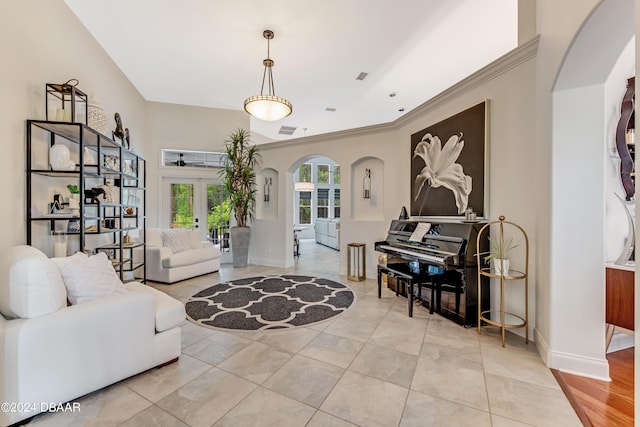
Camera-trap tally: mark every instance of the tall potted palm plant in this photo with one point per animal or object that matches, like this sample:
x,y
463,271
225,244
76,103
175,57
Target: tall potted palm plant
x,y
239,179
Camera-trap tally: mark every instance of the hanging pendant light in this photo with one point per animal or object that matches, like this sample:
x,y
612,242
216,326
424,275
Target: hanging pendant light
x,y
267,107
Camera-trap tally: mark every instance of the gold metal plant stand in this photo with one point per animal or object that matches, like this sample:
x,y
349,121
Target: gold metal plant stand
x,y
500,318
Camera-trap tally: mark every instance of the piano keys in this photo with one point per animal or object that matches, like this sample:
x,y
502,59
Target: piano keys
x,y
440,266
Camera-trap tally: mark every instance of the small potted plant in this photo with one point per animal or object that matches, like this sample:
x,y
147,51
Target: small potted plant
x,y
499,254
74,201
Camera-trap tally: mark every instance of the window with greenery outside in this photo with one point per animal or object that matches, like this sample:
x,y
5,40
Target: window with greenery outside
x,y
323,203
304,207
323,174
305,172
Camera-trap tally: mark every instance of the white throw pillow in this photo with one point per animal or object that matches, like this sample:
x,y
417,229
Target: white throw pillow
x,y
195,240
178,240
34,284
88,278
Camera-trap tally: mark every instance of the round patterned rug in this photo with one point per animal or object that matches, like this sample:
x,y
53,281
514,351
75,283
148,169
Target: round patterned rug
x,y
271,302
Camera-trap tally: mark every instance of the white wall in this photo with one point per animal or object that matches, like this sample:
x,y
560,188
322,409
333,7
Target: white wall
x,y
43,42
578,292
184,127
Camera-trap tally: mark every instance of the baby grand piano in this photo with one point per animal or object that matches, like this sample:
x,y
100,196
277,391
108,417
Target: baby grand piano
x,y
439,268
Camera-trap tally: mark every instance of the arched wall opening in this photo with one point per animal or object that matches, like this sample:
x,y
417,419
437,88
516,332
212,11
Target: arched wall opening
x,y
586,102
307,231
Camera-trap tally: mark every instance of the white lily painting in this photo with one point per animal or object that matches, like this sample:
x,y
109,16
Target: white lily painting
x,y
441,170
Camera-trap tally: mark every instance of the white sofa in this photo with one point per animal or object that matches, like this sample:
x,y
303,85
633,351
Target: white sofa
x,y
176,254
328,232
55,357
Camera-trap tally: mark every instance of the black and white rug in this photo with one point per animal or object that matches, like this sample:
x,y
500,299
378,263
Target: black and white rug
x,y
271,302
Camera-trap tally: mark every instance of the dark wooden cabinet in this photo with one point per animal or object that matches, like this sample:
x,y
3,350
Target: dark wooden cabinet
x,y
620,305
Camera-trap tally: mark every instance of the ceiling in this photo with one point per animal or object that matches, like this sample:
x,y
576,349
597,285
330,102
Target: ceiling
x,y
209,53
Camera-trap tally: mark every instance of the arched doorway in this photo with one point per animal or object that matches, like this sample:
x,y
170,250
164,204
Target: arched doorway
x,y
586,99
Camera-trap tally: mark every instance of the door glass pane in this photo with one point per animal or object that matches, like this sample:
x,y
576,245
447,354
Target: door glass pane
x,y
219,213
182,213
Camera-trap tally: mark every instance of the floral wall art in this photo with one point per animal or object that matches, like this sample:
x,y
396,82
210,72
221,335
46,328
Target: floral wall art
x,y
448,165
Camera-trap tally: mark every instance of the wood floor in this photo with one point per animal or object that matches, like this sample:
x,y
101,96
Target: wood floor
x,y
601,403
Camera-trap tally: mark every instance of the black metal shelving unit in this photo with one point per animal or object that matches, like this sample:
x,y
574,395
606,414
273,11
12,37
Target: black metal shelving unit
x,y
103,226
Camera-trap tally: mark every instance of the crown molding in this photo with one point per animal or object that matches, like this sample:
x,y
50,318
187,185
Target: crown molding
x,y
506,62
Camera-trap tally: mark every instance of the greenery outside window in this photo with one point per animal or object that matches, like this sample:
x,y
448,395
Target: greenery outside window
x,y
305,173
181,205
219,214
336,174
322,174
304,207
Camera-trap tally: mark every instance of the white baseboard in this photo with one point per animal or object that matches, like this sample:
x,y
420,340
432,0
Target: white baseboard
x,y
571,363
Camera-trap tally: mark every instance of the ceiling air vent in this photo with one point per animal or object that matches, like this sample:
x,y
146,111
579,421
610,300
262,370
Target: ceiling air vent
x,y
287,130
362,76
331,110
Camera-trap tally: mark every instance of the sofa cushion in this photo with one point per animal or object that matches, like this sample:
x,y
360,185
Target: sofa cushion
x,y
153,237
169,312
195,239
88,278
178,240
34,285
193,256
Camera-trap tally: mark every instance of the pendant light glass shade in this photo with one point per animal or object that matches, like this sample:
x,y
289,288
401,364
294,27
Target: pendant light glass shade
x,y
304,186
268,107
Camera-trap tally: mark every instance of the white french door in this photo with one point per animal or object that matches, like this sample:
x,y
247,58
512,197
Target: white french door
x,y
193,203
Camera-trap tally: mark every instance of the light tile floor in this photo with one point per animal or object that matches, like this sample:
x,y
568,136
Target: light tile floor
x,y
372,366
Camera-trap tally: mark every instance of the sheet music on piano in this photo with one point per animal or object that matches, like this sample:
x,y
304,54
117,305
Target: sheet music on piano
x,y
421,229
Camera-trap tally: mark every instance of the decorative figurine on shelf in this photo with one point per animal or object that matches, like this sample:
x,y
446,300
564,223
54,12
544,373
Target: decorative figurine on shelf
x,y
91,195
60,158
127,139
118,134
111,193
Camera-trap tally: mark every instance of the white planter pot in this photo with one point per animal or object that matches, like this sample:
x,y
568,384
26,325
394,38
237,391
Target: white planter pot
x,y
501,266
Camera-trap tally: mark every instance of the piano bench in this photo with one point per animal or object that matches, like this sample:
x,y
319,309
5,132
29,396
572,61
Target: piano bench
x,y
403,275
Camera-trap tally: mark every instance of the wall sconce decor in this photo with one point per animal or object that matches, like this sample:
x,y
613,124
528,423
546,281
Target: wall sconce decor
x,y
267,185
366,183
72,105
